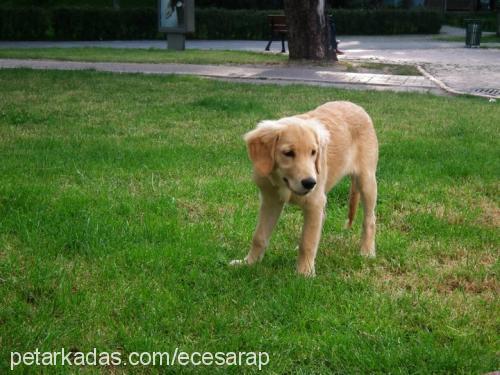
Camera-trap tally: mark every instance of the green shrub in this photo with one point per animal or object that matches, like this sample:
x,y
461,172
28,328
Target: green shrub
x,y
104,24
238,4
229,4
211,23
488,20
386,22
77,3
215,23
141,23
24,24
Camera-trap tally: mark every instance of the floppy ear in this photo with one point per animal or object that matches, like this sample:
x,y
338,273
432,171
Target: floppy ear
x,y
323,138
261,144
317,162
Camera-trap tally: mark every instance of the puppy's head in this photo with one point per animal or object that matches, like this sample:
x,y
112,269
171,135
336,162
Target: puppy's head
x,y
291,148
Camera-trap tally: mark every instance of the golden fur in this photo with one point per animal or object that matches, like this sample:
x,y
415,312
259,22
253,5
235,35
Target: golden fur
x,y
299,159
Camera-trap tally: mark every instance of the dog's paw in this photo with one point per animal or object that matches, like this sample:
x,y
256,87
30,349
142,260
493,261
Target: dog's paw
x,y
348,225
238,262
306,270
368,253
309,273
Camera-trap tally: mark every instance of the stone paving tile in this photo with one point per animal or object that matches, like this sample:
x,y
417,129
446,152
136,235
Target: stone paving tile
x,y
364,78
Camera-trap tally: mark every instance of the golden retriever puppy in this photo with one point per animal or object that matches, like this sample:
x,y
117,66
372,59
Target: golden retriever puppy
x,y
299,159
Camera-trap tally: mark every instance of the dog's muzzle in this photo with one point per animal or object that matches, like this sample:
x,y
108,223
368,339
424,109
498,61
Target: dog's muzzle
x,y
307,183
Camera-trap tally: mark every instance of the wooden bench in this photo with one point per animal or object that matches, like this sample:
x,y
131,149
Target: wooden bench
x,y
277,26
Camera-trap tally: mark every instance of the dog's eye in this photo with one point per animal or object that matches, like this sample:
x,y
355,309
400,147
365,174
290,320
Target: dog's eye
x,y
313,152
290,153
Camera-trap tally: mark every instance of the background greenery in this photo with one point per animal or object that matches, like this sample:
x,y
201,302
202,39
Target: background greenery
x,y
211,23
228,4
123,197
488,19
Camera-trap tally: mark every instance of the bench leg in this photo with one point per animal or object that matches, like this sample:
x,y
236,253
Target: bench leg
x,y
269,44
283,43
271,37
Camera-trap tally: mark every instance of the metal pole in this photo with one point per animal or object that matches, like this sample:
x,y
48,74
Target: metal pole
x,y
177,41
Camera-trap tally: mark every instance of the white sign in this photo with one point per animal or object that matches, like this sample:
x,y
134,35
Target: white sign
x,y
176,16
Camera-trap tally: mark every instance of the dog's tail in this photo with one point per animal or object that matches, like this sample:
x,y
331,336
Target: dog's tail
x,y
353,202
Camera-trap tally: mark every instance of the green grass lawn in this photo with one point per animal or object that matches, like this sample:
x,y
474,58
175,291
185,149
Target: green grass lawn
x,y
123,197
194,56
458,38
152,55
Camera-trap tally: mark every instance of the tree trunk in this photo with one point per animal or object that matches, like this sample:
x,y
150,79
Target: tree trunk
x,y
498,19
308,30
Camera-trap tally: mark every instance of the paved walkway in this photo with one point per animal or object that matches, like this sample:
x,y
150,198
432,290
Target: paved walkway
x,y
453,67
318,76
448,64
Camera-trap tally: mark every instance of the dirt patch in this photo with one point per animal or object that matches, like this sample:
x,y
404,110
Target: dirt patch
x,y
448,214
193,211
480,200
396,284
452,282
445,272
490,213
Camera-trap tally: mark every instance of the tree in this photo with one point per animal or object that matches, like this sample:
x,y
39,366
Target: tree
x,y
498,19
308,30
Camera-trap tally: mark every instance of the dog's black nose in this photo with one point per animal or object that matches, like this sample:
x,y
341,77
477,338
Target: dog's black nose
x,y
308,183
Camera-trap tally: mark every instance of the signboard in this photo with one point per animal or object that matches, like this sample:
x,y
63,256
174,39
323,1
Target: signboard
x,y
176,16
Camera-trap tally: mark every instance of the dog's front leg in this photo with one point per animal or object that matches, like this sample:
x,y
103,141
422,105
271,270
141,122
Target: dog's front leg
x,y
270,210
311,233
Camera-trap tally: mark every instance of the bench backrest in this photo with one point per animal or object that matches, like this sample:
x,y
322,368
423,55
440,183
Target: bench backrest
x,y
278,23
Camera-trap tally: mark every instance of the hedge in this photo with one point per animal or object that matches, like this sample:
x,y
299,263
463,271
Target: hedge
x,y
24,24
211,23
240,4
104,24
229,4
247,24
387,22
488,20
214,23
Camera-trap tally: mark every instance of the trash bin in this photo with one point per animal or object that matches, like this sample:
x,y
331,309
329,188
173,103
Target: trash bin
x,y
472,33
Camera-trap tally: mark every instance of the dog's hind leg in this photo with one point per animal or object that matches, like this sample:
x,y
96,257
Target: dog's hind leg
x,y
368,187
353,202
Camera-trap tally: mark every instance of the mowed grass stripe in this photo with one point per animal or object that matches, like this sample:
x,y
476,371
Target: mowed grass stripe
x,y
144,55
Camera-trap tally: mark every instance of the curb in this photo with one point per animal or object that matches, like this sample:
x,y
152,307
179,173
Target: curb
x,y
450,90
340,85
260,77
312,81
